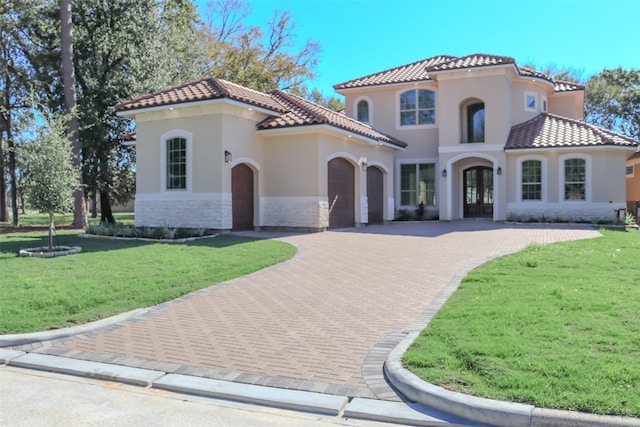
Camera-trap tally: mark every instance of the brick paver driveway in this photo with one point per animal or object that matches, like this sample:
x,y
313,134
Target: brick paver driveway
x,y
323,321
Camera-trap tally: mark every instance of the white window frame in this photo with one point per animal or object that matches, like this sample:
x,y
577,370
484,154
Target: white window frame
x,y
533,95
587,179
369,103
630,171
400,126
543,175
176,133
398,174
545,105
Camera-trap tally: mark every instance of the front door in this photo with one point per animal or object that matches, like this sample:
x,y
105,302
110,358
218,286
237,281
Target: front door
x,y
242,197
478,192
341,189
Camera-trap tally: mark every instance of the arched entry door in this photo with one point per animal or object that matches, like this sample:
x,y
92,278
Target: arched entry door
x,y
242,197
341,189
375,195
478,192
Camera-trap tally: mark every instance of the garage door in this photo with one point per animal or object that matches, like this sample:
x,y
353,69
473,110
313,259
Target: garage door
x,y
341,194
242,197
375,195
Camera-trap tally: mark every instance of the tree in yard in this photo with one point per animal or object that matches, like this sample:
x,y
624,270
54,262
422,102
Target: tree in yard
x,y
613,101
69,84
51,175
249,56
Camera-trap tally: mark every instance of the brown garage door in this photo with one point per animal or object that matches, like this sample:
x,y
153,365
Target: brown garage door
x,y
375,195
242,197
341,194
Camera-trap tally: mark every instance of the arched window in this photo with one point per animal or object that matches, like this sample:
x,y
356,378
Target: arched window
x,y
176,160
475,122
363,111
472,126
417,107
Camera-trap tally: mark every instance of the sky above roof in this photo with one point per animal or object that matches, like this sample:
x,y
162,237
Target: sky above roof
x,y
360,37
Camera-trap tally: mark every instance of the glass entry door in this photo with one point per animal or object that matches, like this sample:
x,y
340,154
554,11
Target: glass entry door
x,y
478,192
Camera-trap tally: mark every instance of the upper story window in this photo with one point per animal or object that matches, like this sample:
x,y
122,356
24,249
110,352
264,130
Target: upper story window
x,y
417,107
176,149
475,122
545,106
531,102
362,111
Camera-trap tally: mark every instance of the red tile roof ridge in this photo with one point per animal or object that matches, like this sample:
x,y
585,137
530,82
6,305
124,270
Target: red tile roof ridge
x,y
435,59
303,104
559,86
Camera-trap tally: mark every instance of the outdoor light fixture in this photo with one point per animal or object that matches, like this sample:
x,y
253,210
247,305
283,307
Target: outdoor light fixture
x,y
227,156
363,164
499,171
444,173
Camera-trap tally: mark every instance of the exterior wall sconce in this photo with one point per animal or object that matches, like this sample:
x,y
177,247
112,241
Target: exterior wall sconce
x,y
444,173
499,170
227,156
364,166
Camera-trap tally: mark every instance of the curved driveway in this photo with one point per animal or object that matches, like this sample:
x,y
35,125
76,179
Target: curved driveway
x,y
324,321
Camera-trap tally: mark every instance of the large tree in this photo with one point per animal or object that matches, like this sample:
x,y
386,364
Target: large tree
x,y
69,84
613,101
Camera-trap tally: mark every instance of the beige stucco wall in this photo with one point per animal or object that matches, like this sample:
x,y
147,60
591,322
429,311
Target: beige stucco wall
x,y
568,104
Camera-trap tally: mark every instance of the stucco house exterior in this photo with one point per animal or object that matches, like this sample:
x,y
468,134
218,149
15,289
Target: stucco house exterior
x,y
460,137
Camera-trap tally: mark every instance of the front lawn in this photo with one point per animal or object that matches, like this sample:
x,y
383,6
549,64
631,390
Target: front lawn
x,y
554,326
114,276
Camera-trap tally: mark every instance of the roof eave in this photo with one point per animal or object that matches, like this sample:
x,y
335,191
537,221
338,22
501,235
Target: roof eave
x,y
172,106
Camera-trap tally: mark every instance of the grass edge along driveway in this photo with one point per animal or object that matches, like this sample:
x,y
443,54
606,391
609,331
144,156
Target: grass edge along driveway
x,y
554,326
114,276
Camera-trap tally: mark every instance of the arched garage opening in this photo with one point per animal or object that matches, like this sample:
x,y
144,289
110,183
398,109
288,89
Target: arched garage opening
x,y
242,197
375,195
341,192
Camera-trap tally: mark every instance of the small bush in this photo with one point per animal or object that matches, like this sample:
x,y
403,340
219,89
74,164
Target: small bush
x,y
160,233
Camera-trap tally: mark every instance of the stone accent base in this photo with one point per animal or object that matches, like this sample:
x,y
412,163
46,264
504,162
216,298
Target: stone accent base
x,y
295,212
189,210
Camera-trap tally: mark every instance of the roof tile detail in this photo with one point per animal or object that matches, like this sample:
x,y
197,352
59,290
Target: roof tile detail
x,y
416,71
201,90
301,112
420,71
551,131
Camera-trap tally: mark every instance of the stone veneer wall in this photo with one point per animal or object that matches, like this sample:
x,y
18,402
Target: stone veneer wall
x,y
303,212
568,211
188,210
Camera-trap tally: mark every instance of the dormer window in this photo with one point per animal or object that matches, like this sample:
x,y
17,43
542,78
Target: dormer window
x,y
417,107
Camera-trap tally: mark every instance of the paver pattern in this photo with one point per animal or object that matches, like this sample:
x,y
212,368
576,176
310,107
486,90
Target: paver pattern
x,y
323,321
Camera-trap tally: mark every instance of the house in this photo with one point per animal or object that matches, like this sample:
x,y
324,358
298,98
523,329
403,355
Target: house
x,y
633,184
460,137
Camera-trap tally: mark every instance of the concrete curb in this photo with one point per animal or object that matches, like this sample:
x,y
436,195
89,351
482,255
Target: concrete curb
x,y
493,412
14,340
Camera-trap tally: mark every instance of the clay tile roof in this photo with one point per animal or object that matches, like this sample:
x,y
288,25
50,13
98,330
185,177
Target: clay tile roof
x,y
415,71
551,131
201,90
301,112
562,86
472,61
129,137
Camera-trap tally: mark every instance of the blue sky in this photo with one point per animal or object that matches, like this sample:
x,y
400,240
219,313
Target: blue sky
x,y
360,37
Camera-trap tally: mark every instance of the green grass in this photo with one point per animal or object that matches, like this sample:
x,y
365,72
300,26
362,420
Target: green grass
x,y
114,276
554,326
62,220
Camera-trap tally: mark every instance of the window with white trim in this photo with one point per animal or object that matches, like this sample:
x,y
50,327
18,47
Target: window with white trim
x,y
629,170
418,184
417,107
531,180
362,111
176,166
575,184
531,102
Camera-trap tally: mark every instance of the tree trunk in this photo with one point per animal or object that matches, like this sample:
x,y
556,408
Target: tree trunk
x,y
105,208
4,209
52,228
69,83
94,205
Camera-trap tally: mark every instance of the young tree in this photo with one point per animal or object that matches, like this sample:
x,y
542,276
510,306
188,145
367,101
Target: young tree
x,y
51,175
69,84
